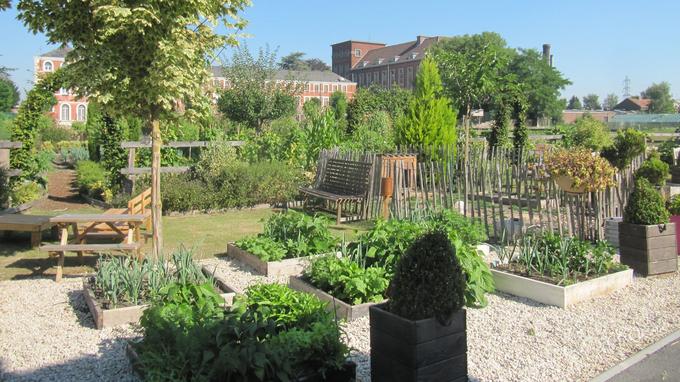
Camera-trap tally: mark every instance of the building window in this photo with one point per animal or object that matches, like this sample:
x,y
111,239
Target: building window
x,y
325,88
65,112
47,66
63,91
316,87
82,113
306,87
357,52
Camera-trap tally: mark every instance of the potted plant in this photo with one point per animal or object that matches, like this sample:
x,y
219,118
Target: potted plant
x,y
420,333
674,211
579,170
646,238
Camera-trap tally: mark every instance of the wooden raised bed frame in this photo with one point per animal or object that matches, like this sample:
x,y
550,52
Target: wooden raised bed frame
x,y
342,309
286,267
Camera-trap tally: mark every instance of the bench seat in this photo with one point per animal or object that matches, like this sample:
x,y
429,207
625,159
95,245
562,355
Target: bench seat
x,y
329,195
90,247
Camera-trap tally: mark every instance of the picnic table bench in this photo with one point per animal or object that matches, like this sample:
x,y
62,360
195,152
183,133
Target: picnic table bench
x,y
342,182
138,205
130,237
35,224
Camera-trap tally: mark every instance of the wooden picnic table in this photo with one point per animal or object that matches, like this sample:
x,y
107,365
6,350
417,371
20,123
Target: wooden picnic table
x,y
125,228
34,224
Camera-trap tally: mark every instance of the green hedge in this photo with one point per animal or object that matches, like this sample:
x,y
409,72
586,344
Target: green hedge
x,y
91,179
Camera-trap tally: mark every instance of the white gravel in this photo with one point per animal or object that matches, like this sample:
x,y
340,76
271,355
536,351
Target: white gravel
x,y
46,332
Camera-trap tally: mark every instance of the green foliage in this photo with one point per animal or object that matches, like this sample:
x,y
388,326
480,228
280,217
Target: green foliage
x,y
338,102
429,121
563,260
673,205
610,101
114,157
72,155
4,189
286,307
665,150
574,103
654,170
264,247
9,94
123,281
373,134
500,131
367,101
6,122
91,178
585,132
49,132
253,96
520,134
592,102
27,124
320,131
24,192
661,98
428,281
294,61
345,279
645,205
628,144
301,234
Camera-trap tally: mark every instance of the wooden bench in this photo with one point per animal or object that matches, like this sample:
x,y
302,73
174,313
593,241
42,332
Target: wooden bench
x,y
342,182
35,224
131,239
139,205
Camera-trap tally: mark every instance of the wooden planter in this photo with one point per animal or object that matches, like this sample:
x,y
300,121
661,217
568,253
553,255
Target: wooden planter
x,y
557,295
649,249
675,174
424,350
342,309
106,318
611,230
287,267
566,183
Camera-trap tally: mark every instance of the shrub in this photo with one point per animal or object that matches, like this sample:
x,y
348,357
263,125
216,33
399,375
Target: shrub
x,y
6,121
585,169
673,205
666,150
49,132
428,281
654,170
301,234
182,193
373,134
627,145
4,188
91,178
645,205
586,132
73,155
25,192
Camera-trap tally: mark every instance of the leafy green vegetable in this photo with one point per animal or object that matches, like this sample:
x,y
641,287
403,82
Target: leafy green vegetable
x,y
346,280
265,248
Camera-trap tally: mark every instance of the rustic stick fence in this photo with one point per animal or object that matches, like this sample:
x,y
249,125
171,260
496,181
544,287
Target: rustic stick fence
x,y
503,188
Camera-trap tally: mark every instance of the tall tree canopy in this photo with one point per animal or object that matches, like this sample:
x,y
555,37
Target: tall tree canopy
x,y
574,103
138,58
253,96
295,61
661,99
430,120
611,101
592,102
9,94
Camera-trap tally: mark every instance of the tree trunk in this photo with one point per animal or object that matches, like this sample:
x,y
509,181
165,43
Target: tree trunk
x,y
156,207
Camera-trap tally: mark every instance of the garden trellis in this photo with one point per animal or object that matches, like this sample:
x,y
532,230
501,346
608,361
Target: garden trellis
x,y
504,188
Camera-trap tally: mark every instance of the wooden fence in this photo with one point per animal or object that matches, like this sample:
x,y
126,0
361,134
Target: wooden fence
x,y
502,188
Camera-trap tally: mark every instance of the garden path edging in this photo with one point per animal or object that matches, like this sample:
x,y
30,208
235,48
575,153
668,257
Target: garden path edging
x,y
342,309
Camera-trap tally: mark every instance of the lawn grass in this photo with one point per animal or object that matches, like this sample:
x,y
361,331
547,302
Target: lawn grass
x,y
207,234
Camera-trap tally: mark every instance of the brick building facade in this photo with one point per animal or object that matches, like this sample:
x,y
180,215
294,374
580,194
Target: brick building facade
x,y
68,108
369,63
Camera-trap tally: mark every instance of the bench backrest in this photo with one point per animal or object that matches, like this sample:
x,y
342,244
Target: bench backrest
x,y
344,177
140,205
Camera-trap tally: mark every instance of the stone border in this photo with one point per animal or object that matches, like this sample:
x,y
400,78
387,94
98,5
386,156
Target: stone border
x,y
106,318
342,309
560,296
286,267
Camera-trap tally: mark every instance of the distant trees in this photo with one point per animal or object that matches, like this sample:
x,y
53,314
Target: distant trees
x,y
574,103
367,101
253,98
592,102
295,61
661,99
611,101
430,120
9,94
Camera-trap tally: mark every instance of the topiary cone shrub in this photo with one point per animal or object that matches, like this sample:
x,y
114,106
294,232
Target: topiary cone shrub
x,y
428,281
421,331
647,241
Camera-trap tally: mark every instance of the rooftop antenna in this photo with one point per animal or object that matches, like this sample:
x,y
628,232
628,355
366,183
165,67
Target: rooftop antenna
x,y
626,87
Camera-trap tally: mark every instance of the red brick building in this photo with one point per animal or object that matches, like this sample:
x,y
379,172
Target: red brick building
x,y
368,63
69,108
317,84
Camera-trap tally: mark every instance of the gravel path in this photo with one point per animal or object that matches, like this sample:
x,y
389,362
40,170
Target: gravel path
x,y
46,332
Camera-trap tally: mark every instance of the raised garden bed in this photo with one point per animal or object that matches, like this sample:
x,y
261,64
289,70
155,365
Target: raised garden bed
x,y
106,318
561,296
346,374
286,267
342,309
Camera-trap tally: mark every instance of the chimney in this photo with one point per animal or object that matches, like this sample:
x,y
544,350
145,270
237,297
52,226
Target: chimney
x,y
546,54
420,39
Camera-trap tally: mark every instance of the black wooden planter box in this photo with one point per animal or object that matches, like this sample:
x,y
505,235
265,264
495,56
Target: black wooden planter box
x,y
675,174
424,350
648,249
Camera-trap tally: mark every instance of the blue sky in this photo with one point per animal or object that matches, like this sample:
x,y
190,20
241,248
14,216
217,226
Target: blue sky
x,y
596,44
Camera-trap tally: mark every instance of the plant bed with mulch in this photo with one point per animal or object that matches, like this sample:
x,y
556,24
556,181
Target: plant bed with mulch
x,y
559,271
343,310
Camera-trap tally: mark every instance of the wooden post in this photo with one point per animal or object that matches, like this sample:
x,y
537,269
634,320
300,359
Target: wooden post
x,y
156,207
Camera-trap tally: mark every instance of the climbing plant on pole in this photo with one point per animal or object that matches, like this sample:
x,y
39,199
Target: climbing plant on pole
x,y
139,58
520,134
38,101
